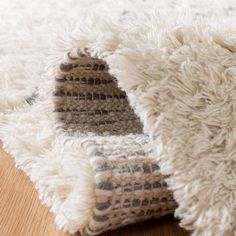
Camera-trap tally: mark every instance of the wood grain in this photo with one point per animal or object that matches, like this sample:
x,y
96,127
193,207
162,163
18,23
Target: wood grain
x,y
21,213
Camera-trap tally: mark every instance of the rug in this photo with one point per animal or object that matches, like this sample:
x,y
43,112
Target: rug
x,y
169,69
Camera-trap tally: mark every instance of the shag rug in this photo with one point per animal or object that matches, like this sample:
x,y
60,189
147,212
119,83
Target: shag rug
x,y
120,111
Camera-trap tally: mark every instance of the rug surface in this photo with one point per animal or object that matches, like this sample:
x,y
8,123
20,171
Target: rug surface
x,y
176,63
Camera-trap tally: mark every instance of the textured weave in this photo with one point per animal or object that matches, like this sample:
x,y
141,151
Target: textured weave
x,y
88,100
129,187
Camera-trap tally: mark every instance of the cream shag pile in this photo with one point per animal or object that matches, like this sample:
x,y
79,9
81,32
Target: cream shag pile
x,y
176,61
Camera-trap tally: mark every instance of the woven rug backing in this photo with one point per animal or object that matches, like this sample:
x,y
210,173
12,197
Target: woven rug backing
x,y
129,187
87,98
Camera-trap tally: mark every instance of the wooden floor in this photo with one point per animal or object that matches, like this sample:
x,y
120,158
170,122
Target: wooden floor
x,y
21,213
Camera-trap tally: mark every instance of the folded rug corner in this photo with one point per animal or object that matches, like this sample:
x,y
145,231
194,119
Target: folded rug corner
x,y
122,105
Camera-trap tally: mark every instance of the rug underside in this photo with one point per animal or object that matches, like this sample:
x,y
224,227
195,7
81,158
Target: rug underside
x,y
128,185
103,112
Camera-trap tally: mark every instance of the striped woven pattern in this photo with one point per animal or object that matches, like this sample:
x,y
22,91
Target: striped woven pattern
x,y
88,100
128,184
